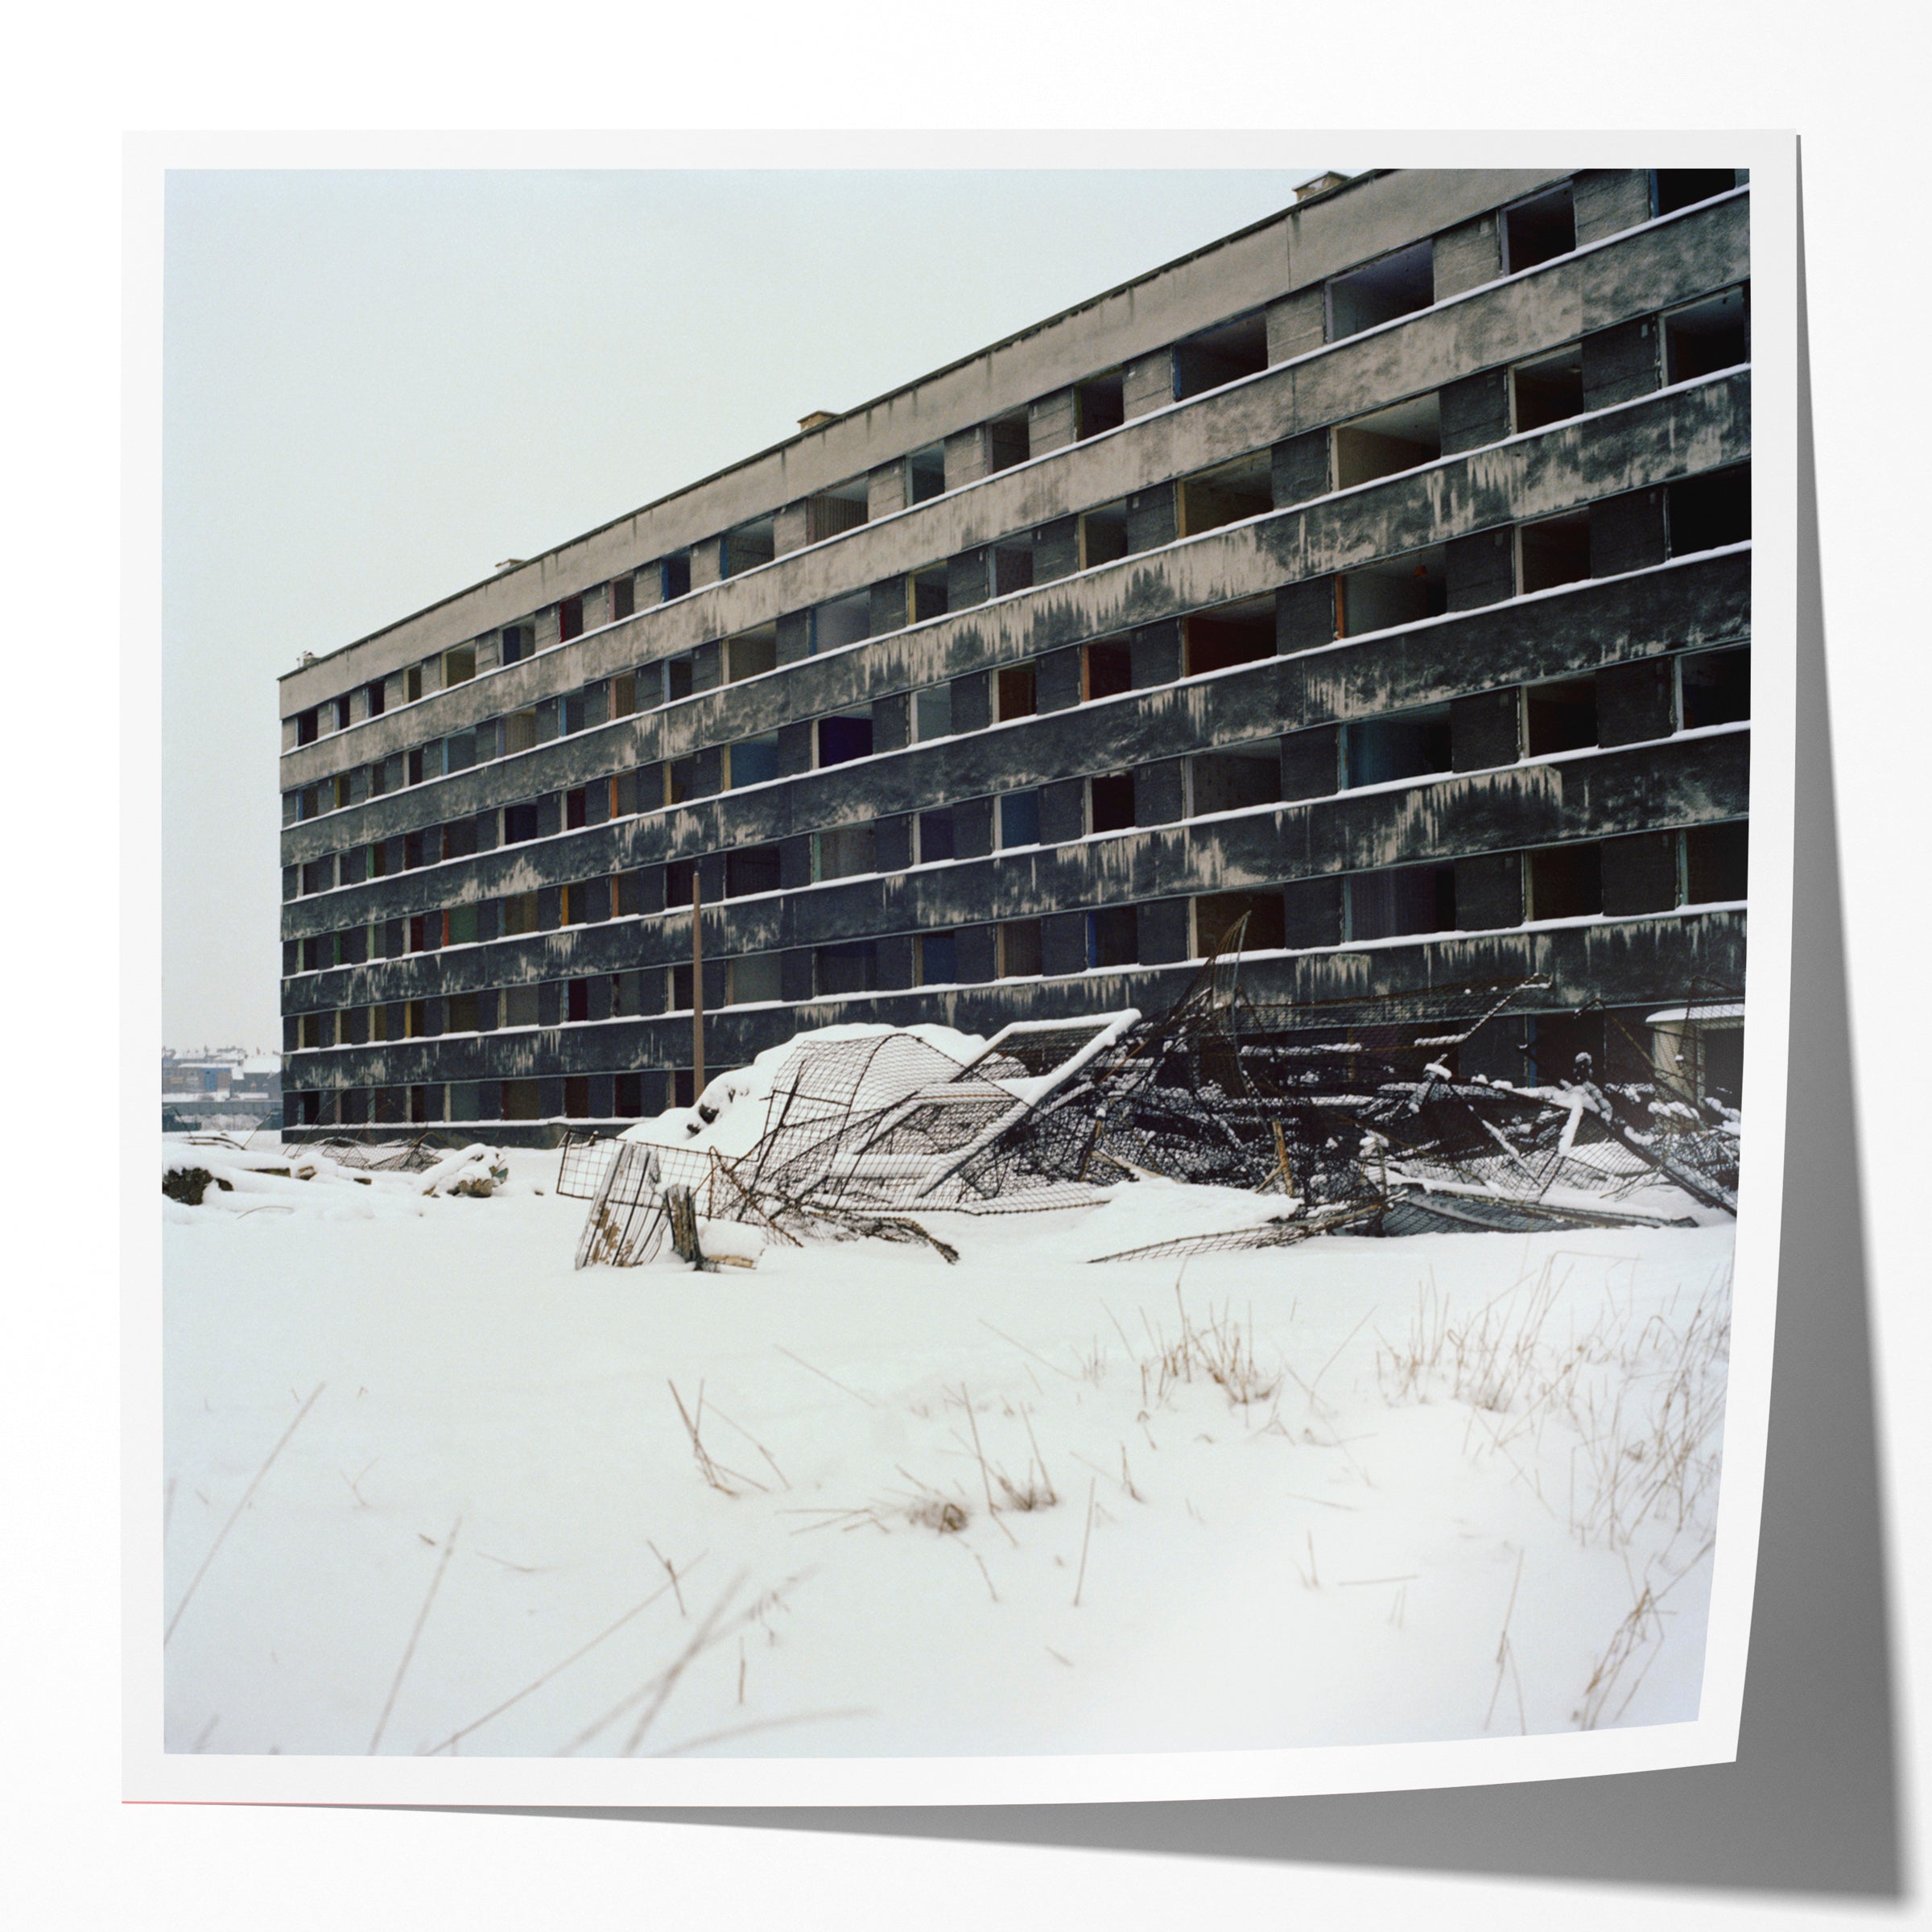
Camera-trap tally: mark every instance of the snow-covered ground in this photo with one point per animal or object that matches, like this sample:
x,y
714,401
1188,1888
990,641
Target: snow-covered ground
x,y
857,1501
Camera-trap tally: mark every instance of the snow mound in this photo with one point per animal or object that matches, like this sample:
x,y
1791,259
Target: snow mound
x,y
733,1111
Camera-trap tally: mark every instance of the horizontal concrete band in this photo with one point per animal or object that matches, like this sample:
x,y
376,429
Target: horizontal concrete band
x,y
1609,620
1655,268
1700,780
1678,434
1276,263
1623,962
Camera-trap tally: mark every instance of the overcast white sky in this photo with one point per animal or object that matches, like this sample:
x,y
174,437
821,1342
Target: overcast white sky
x,y
376,385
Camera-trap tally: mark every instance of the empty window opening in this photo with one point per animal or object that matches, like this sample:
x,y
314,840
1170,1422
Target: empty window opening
x,y
1400,900
623,598
1100,404
518,641
746,547
374,693
752,761
308,726
1380,596
679,676
1019,956
844,852
850,969
576,1097
844,620
932,712
1233,779
925,473
1716,863
1560,715
1017,690
1675,188
1391,440
1104,535
751,654
520,731
752,979
679,874
1566,882
576,807
930,595
938,959
1236,634
1012,568
459,665
1217,915
1110,802
623,693
1554,551
1409,745
1019,819
844,736
1106,672
1538,230
1222,354
521,823
518,913
343,707
752,869
1008,441
1397,285
576,1000
934,840
1113,938
570,619
1703,512
680,989
680,781
1707,336
412,683
1714,686
673,575
462,921
1226,495
833,512
1548,390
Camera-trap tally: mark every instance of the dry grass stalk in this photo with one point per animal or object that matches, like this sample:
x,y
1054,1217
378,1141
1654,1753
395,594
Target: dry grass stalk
x,y
1080,1581
248,1495
409,1649
714,1472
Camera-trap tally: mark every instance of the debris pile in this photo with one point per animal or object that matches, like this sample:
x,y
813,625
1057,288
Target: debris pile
x,y
1352,1112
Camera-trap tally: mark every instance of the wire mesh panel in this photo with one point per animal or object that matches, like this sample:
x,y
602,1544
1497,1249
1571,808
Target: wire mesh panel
x,y
626,1224
585,1160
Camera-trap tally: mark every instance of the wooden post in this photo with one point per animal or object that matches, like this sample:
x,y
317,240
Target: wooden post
x,y
697,986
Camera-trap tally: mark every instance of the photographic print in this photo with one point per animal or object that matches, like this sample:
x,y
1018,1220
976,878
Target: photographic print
x,y
1049,1071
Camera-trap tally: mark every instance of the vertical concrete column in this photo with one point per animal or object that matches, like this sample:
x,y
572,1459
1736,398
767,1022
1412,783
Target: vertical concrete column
x,y
790,528
1486,729
1311,762
1297,323
706,566
1489,891
1627,533
1620,364
1474,411
1300,468
1304,615
967,459
1639,874
1063,943
1609,199
1480,569
1051,422
1164,931
1147,383
1311,911
885,490
1468,255
1635,702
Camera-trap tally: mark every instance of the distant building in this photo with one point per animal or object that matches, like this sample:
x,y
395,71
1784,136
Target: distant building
x,y
224,1087
1381,572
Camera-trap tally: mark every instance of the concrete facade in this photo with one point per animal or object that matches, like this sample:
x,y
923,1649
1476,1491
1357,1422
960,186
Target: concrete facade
x,y
1381,572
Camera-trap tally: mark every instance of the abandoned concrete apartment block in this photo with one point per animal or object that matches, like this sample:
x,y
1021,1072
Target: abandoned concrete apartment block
x,y
1381,572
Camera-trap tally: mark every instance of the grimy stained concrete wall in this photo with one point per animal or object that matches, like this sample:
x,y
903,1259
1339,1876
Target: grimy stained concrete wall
x,y
1633,794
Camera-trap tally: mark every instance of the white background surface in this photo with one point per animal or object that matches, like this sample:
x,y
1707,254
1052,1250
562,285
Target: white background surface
x,y
1849,82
